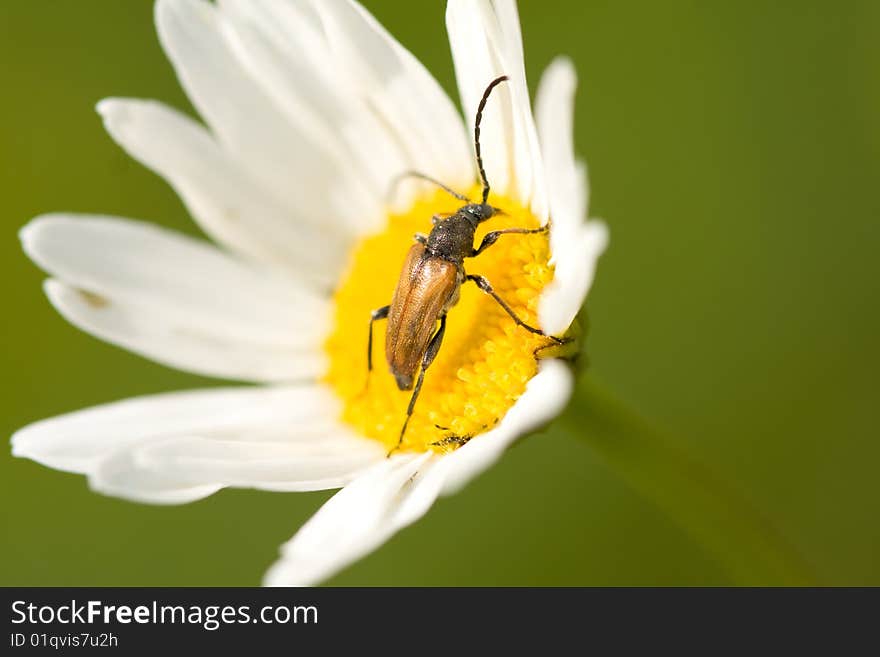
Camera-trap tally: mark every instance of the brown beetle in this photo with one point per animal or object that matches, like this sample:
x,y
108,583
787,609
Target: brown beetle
x,y
429,283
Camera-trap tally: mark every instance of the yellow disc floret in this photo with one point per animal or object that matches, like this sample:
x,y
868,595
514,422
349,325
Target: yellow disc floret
x,y
485,360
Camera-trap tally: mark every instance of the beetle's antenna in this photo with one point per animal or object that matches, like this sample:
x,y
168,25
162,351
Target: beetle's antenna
x,y
494,83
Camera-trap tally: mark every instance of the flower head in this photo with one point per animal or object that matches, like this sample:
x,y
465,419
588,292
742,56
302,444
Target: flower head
x,y
312,110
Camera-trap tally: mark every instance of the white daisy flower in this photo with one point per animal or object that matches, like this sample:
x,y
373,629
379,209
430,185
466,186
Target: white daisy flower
x,y
311,111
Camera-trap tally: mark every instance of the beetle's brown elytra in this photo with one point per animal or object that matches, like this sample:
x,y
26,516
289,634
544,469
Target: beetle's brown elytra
x,y
430,282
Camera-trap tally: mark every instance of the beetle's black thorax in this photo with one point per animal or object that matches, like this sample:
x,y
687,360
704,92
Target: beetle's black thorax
x,y
452,238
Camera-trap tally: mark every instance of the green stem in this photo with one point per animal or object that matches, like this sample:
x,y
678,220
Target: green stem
x,y
745,544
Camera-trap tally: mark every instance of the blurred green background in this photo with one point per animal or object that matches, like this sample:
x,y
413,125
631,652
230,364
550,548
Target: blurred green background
x,y
734,149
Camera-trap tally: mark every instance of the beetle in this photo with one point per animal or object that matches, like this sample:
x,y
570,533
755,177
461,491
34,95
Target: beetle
x,y
430,281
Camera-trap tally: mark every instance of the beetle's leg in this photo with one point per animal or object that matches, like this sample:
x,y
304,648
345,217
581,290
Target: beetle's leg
x,y
490,238
456,441
427,359
486,287
558,342
420,238
421,176
379,313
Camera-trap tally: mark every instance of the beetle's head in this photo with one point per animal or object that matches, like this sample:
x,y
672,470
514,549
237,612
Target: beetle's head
x,y
479,212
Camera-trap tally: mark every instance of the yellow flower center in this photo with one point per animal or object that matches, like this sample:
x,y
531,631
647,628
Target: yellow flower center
x,y
485,359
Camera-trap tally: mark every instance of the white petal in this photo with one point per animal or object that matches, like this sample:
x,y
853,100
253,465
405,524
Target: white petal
x,y
576,262
177,300
400,90
248,123
284,49
358,519
575,244
280,62
145,329
486,43
177,447
292,465
119,476
554,113
77,441
545,397
123,257
223,196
